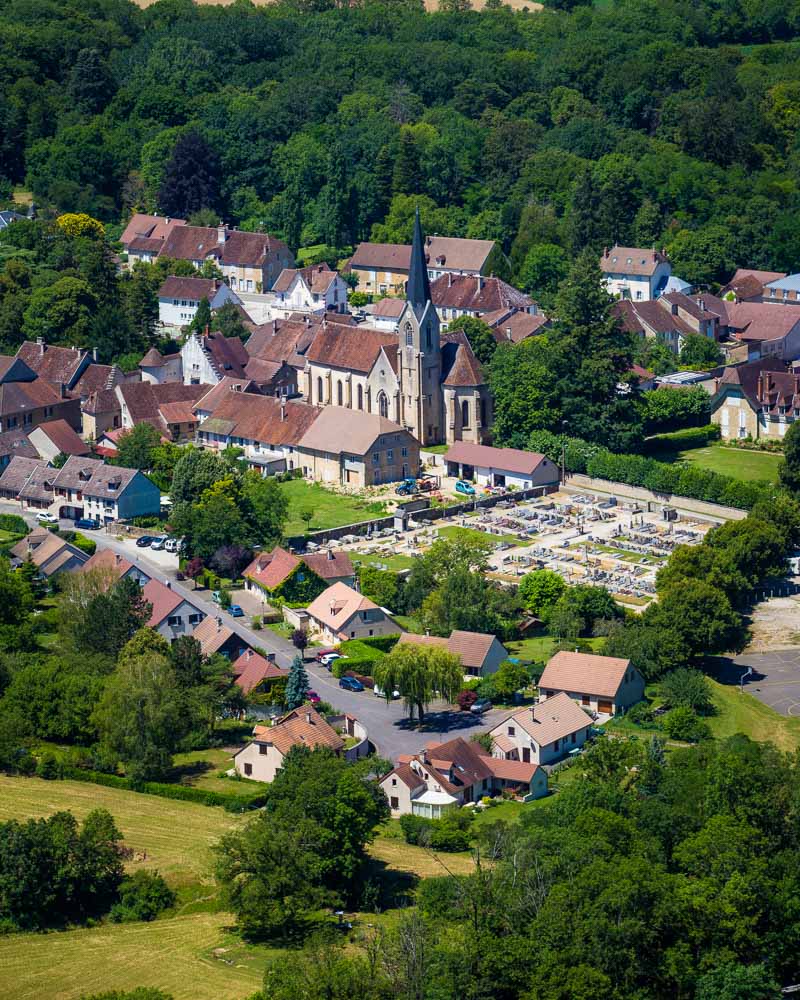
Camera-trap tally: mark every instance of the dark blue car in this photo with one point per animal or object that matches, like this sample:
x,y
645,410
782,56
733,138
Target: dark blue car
x,y
236,611
87,523
350,684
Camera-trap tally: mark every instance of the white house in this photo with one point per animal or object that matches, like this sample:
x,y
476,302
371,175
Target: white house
x,y
341,613
634,273
604,684
479,652
489,466
542,733
263,758
313,289
180,298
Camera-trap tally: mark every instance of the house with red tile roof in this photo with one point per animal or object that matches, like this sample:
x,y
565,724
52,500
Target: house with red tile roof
x,y
48,553
172,614
117,566
480,653
608,685
56,437
446,776
474,295
264,756
297,578
215,636
542,733
144,236
341,613
489,466
180,298
254,672
635,273
312,289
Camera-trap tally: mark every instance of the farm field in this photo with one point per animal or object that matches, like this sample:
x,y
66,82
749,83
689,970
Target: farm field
x,y
192,957
748,465
331,510
176,836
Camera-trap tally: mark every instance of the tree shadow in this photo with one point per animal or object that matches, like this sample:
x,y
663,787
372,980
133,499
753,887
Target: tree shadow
x,y
444,721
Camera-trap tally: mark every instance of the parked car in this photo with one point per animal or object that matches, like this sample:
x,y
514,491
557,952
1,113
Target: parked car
x,y
381,694
172,545
313,697
216,597
47,518
350,684
87,523
235,611
144,542
319,653
328,659
481,705
462,486
158,543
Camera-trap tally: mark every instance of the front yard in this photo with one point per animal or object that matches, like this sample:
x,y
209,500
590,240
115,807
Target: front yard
x,y
748,465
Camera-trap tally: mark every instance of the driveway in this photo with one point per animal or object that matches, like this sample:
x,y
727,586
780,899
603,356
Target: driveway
x,y
775,680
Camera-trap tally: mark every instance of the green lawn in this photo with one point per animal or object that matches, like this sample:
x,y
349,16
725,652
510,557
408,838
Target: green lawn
x,y
331,509
409,623
390,562
742,713
539,648
456,531
749,465
623,554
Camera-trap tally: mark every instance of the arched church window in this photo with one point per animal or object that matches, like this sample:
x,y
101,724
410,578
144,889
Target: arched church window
x,y
409,335
360,398
319,390
339,394
465,414
383,405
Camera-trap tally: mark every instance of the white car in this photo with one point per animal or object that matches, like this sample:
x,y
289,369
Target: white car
x,y
172,545
379,693
158,543
328,659
47,518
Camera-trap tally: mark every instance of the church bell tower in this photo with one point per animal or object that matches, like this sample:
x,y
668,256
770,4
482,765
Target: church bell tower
x,y
419,351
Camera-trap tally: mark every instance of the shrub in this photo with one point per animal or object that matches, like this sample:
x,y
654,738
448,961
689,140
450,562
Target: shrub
x,y
225,598
451,833
438,896
142,897
14,523
640,714
416,829
87,545
48,767
685,724
255,623
466,699
686,688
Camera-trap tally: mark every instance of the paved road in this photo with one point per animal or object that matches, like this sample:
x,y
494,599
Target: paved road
x,y
775,680
388,726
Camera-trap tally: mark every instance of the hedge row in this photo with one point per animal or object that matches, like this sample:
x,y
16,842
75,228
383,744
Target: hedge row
x,y
232,803
14,523
660,477
689,437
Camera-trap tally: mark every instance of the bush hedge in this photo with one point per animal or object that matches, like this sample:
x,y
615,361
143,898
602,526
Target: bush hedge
x,y
659,477
184,793
14,523
689,437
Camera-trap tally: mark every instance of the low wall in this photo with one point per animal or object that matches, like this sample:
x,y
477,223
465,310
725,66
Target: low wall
x,y
298,543
577,483
358,750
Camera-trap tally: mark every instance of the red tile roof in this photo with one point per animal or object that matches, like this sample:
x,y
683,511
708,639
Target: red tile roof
x,y
584,673
349,347
164,601
302,727
460,367
501,459
195,289
476,294
64,437
250,669
631,260
152,227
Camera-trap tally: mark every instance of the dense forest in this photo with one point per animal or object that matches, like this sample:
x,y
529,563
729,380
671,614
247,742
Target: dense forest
x,y
671,123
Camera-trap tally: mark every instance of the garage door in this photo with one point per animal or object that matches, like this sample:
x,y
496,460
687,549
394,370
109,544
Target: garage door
x,y
605,707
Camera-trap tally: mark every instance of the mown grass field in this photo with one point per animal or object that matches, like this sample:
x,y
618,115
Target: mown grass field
x,y
331,510
749,465
176,836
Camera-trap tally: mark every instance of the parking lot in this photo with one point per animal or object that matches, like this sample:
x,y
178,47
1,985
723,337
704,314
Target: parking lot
x,y
584,538
775,680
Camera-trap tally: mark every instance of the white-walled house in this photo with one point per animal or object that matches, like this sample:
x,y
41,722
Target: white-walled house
x,y
264,756
180,298
313,289
172,615
607,685
489,466
543,733
341,613
634,273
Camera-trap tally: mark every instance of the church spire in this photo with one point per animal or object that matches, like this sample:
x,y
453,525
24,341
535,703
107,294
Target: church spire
x,y
418,289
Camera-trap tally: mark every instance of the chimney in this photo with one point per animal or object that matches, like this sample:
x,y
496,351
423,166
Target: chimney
x,y
760,388
117,558
274,327
716,384
168,584
307,321
219,623
222,233
797,385
40,344
167,219
508,333
94,354
330,551
283,411
480,282
427,631
309,720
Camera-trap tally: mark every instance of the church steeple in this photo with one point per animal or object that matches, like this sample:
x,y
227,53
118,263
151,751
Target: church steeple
x,y
418,289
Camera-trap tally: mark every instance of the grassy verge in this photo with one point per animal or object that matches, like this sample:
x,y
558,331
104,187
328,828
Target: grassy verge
x,y
331,509
393,563
540,647
742,713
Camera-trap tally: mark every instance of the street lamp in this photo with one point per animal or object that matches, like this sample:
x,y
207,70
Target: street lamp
x,y
747,673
